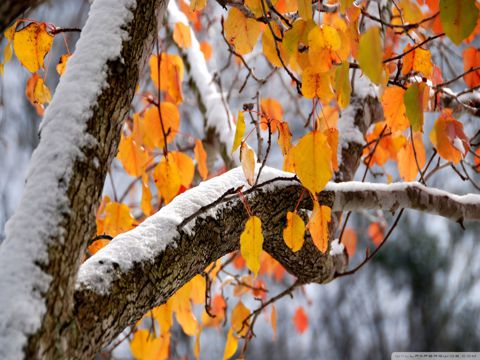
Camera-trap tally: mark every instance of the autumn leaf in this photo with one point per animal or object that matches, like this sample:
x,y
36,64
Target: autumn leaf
x,y
62,64
36,91
182,35
413,100
270,46
163,315
251,241
239,131
294,232
132,156
318,225
172,172
118,219
471,59
94,247
323,42
160,124
370,54
312,160
394,108
448,137
241,32
273,320
230,346
343,87
238,319
300,320
170,77
305,9
410,160
206,49
197,5
418,60
458,18
376,233
247,159
201,158
145,346
146,201
349,240
332,140
272,112
317,85
31,44
284,137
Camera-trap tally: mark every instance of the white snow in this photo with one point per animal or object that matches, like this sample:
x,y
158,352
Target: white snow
x,y
336,248
348,132
217,117
151,237
37,218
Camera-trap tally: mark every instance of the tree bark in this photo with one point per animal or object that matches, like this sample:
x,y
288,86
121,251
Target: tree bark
x,y
12,9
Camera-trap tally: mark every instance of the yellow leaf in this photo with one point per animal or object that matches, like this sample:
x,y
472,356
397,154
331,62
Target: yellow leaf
x,y
187,321
247,158
36,91
332,140
146,201
251,242
272,112
323,42
270,47
305,9
342,85
201,157
318,225
10,32
170,77
31,44
407,164
312,158
197,5
167,178
117,218
154,133
182,35
239,314
418,60
133,157
241,32
230,346
316,85
239,131
62,64
197,292
146,346
294,232
163,315
370,53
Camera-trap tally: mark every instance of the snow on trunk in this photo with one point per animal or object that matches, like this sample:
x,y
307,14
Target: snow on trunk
x,y
36,222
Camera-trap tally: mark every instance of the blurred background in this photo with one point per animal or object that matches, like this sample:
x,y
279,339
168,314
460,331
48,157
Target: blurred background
x,y
421,293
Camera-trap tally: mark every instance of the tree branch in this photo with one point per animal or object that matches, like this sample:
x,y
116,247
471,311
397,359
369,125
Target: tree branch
x,y
145,266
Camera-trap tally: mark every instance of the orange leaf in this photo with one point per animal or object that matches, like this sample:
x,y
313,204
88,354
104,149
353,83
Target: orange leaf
x,y
239,314
418,60
318,225
163,316
156,128
273,318
323,42
170,77
332,140
407,164
270,45
312,157
251,241
133,157
117,218
182,35
171,173
394,108
349,239
201,157
284,137
376,231
146,201
206,49
316,85
36,91
448,137
97,245
146,346
471,59
300,319
294,232
272,112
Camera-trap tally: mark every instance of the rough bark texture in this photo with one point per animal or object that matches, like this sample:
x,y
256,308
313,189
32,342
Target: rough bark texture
x,y
101,317
86,184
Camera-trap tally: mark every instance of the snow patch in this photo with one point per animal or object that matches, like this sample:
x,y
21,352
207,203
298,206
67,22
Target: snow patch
x,y
458,144
37,219
336,248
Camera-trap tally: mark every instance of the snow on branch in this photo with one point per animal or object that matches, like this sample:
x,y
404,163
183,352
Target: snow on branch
x,y
218,115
